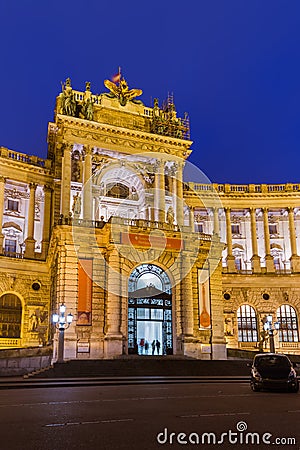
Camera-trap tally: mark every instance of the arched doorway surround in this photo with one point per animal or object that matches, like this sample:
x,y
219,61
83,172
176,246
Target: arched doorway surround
x,y
149,311
10,316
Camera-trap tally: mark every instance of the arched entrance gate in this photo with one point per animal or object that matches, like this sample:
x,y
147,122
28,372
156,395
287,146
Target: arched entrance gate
x,y
149,311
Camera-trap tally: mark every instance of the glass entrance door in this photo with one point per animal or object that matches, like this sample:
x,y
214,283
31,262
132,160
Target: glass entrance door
x,y
150,326
149,312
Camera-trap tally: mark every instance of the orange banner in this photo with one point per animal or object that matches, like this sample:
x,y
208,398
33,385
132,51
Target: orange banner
x,y
204,299
151,241
85,285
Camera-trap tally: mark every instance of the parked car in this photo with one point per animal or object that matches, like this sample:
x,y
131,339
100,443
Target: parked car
x,y
273,371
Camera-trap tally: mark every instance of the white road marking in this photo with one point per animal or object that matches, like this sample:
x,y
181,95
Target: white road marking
x,y
87,422
216,414
72,402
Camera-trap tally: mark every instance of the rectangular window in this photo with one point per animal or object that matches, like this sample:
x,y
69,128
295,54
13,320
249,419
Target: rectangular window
x,y
13,205
199,227
273,228
235,228
157,314
143,313
10,246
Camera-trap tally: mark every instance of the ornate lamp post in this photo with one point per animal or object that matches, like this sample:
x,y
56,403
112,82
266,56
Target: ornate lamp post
x,y
268,326
62,323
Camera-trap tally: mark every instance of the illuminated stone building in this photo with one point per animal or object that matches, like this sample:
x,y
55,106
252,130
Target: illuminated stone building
x,y
106,226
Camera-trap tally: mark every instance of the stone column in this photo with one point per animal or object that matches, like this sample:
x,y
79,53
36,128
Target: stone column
x,y
192,219
269,260
47,220
230,258
113,338
255,260
30,241
174,190
179,192
295,259
2,186
216,221
159,200
66,180
87,184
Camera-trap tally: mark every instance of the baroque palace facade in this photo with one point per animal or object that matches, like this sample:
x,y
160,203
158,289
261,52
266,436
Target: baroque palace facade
x,y
106,226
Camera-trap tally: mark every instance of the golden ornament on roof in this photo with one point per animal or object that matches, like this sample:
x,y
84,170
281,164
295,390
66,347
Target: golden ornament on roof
x,y
121,91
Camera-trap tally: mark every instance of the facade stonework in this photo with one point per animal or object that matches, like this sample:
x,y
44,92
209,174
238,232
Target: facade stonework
x,y
106,226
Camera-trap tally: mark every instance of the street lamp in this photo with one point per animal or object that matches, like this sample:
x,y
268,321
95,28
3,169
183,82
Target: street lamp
x,y
268,326
62,323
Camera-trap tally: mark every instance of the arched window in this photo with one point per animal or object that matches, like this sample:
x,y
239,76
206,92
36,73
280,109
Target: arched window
x,y
247,324
287,318
10,316
117,190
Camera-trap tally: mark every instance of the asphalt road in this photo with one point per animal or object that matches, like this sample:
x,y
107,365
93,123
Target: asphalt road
x,y
131,417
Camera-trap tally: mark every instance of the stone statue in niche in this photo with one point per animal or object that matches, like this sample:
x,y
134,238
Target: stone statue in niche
x,y
134,194
36,318
76,172
76,207
33,322
228,328
170,216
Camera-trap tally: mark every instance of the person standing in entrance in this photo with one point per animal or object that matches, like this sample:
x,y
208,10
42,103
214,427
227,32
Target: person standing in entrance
x,y
146,347
153,346
157,346
142,344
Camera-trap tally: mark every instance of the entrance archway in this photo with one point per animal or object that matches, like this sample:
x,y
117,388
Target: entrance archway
x,y
149,311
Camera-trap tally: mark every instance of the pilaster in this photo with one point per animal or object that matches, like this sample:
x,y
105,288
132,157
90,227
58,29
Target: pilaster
x,y
113,340
30,241
66,180
187,297
87,184
255,260
216,221
268,258
47,219
295,259
179,195
230,258
2,185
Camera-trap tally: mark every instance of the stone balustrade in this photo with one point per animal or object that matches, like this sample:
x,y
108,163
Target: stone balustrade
x,y
242,188
26,159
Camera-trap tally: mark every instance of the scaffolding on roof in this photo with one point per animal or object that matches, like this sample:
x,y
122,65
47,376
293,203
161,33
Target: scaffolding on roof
x,y
166,122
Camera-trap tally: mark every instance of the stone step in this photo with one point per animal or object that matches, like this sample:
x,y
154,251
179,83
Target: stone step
x,y
146,366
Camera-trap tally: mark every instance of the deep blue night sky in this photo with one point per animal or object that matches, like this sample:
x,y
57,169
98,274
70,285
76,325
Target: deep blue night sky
x,y
233,65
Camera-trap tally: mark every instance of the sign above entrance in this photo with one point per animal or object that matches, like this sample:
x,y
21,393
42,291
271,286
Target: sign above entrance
x,y
152,241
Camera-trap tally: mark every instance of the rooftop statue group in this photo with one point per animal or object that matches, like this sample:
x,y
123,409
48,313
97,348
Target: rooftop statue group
x,y
164,120
69,106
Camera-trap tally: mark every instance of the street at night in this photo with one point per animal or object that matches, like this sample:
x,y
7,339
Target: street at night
x,y
132,416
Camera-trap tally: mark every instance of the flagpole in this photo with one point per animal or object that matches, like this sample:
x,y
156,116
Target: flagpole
x,y
119,75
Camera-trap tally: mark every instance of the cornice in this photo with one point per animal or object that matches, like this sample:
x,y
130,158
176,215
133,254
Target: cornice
x,y
78,131
22,167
